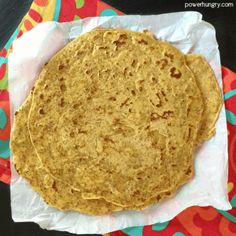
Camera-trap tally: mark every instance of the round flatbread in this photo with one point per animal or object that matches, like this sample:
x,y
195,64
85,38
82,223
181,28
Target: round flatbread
x,y
212,98
115,115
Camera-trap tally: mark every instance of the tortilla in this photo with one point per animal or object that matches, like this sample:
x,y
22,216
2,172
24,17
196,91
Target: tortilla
x,y
211,94
115,115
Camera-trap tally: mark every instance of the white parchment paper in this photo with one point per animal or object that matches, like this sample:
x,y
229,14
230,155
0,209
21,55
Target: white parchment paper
x,y
188,32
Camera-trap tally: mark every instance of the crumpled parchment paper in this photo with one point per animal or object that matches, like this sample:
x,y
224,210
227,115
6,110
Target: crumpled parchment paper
x,y
188,32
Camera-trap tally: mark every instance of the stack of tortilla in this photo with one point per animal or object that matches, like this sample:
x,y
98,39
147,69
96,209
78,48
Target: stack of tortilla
x,y
113,122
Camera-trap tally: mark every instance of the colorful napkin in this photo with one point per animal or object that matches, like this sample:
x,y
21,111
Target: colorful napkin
x,y
195,221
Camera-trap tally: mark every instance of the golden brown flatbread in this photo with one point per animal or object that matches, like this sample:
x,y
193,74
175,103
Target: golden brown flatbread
x,y
115,114
127,117
211,94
